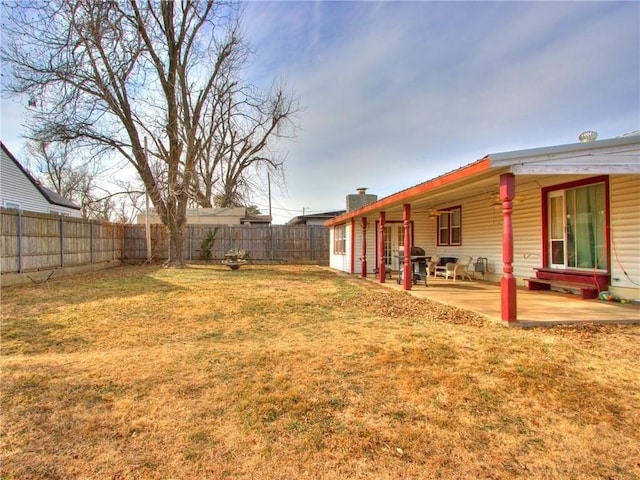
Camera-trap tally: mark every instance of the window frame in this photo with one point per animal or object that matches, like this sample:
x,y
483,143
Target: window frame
x,y
449,228
564,187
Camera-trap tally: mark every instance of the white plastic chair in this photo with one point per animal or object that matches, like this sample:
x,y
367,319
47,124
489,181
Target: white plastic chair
x,y
431,264
458,269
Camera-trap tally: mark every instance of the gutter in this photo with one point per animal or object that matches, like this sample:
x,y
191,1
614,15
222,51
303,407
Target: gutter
x,y
402,196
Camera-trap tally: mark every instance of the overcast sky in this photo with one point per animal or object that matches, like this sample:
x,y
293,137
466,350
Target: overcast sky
x,y
396,93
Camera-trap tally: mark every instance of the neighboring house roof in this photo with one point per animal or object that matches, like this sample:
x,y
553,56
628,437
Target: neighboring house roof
x,y
52,197
587,157
57,199
302,219
256,219
214,216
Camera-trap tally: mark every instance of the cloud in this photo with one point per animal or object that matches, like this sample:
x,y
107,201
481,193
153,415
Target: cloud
x,y
399,92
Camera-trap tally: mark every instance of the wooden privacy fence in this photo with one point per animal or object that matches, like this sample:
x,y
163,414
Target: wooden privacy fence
x,y
36,241
39,241
288,243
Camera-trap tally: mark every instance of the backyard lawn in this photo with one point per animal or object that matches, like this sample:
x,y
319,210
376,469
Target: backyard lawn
x,y
296,372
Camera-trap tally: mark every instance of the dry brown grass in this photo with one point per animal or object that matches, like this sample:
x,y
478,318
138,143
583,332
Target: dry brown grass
x,y
299,373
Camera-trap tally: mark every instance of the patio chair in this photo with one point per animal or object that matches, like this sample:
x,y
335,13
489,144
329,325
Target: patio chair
x,y
458,269
431,265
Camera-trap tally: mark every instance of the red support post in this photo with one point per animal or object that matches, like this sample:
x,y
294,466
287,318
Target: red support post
x,y
508,281
382,274
352,247
407,273
363,259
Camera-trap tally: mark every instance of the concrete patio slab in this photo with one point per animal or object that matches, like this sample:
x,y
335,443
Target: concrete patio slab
x,y
535,308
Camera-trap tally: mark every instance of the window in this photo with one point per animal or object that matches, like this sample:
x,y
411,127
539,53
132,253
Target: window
x,y
450,226
10,204
58,212
340,240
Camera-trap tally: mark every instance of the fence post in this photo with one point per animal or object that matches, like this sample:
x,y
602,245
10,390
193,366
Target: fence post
x,y
90,241
19,241
311,235
271,242
61,242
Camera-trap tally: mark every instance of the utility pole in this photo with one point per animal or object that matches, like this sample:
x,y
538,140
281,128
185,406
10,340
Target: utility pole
x,y
269,189
271,222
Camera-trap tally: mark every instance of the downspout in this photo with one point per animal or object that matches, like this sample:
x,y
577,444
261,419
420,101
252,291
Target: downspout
x,y
508,281
363,266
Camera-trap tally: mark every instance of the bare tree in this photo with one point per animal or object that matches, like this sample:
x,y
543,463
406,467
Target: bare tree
x,y
242,125
129,204
60,166
113,73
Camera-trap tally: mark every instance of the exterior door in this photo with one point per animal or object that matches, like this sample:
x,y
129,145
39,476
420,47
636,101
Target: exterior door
x,y
557,228
393,245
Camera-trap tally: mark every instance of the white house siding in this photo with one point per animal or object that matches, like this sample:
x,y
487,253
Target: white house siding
x,y
423,234
481,234
371,245
357,247
625,235
527,231
339,261
16,188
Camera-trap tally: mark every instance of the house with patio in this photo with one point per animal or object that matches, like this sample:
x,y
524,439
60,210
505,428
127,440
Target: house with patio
x,y
559,217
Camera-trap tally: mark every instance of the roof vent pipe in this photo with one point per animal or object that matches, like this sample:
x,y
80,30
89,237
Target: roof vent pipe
x,y
588,136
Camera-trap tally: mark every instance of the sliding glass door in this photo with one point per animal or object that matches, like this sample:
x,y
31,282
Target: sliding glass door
x,y
576,226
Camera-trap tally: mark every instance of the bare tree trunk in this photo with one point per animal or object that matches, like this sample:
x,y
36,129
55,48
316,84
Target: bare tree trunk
x,y
176,250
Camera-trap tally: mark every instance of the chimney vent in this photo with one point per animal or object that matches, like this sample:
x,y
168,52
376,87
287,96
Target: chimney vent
x,y
359,200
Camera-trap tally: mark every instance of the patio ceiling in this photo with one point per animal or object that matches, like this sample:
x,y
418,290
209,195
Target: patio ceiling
x,y
479,185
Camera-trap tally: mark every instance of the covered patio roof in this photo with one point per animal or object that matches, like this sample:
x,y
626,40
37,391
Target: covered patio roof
x,y
597,157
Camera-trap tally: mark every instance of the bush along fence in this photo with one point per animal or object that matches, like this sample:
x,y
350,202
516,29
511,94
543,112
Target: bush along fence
x,y
37,241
